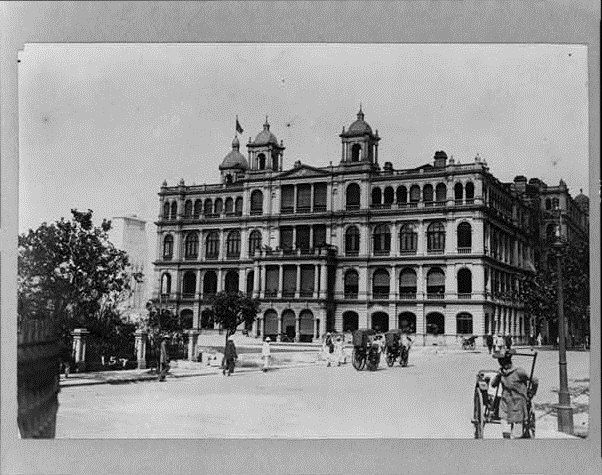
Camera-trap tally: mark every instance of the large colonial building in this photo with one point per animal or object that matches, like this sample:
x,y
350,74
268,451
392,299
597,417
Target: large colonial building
x,y
436,249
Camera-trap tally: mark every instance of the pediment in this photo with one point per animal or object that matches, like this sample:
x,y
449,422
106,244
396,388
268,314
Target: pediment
x,y
304,171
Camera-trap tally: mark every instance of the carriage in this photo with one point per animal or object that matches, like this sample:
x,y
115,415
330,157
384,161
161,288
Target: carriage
x,y
366,350
397,346
486,405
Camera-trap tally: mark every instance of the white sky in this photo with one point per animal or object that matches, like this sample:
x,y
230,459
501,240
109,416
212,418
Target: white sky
x,y
101,126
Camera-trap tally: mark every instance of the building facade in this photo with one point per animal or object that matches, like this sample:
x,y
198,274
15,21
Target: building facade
x,y
436,250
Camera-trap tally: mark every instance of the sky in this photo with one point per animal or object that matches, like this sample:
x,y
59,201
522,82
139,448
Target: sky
x,y
101,126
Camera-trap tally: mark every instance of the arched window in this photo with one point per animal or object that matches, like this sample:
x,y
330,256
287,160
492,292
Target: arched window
x,y
435,323
380,321
351,284
165,284
208,207
435,237
306,326
464,323
427,194
288,323
469,192
352,196
548,204
229,206
380,284
188,209
458,192
401,195
407,284
352,241
256,202
166,210
238,206
408,239
174,210
435,282
233,245
254,242
191,246
231,282
389,195
464,283
189,283
382,240
198,208
414,194
551,231
261,161
168,247
407,322
209,283
218,207
212,245
350,321
464,237
356,151
376,196
441,193
229,180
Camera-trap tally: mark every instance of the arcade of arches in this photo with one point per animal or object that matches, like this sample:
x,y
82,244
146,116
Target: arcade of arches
x,y
289,325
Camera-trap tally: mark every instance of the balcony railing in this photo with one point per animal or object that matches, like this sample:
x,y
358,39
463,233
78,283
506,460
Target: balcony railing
x,y
413,204
435,296
441,203
212,257
191,257
319,208
469,201
303,209
256,212
458,202
380,295
271,293
167,257
287,210
435,251
351,295
352,207
188,295
382,253
428,204
352,253
464,250
465,296
407,295
407,251
233,255
288,293
306,293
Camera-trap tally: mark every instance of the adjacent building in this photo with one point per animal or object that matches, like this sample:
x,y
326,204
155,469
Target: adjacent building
x,y
436,249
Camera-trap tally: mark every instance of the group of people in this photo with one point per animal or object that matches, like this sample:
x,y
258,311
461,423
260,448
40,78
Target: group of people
x,y
333,351
498,342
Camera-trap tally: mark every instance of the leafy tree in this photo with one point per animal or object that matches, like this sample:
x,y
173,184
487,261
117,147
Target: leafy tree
x,y
539,291
70,271
233,308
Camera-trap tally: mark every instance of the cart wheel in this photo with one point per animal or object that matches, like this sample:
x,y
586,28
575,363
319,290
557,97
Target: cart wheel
x,y
358,360
373,366
403,360
478,417
390,360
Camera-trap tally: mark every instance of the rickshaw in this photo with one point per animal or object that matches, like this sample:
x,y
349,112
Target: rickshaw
x,y
486,409
366,351
397,346
469,343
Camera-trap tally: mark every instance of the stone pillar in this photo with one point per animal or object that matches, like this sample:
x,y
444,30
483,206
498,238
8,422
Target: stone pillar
x,y
298,283
264,279
280,282
255,327
141,348
322,321
394,239
220,280
256,281
421,244
79,348
316,328
192,341
279,327
297,328
316,281
323,280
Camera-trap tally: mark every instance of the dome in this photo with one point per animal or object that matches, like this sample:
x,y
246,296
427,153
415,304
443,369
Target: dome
x,y
582,200
234,159
265,137
359,127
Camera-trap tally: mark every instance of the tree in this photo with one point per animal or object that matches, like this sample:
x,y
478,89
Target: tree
x,y
539,291
70,271
231,309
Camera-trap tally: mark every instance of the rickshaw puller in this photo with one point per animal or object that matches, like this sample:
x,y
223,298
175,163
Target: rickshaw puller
x,y
516,394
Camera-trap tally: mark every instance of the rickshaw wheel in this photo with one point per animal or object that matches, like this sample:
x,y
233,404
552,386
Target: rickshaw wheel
x,y
478,417
358,360
390,360
403,359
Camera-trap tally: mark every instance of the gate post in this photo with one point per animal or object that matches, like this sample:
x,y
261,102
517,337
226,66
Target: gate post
x,y
192,341
141,348
79,348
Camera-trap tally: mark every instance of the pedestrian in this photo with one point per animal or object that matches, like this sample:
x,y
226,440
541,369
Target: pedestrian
x,y
516,395
163,359
66,356
265,354
489,341
586,342
328,348
508,341
230,357
539,339
338,350
498,343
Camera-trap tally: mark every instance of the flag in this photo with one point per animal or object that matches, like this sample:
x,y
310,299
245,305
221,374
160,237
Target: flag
x,y
238,127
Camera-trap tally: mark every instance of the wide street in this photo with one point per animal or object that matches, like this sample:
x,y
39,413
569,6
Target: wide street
x,y
432,398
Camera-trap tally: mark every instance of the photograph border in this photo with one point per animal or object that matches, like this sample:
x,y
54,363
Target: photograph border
x,y
560,21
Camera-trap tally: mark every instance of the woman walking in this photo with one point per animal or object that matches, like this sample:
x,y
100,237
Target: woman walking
x,y
230,358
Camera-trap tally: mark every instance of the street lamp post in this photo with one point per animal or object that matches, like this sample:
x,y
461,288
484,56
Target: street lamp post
x,y
565,411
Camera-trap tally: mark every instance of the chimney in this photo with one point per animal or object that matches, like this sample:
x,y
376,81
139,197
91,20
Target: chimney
x,y
440,159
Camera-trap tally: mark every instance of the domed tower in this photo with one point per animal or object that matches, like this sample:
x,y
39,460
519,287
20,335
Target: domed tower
x,y
234,165
360,145
582,201
264,152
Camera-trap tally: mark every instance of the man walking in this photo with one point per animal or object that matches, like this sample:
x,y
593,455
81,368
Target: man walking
x,y
489,341
163,359
265,354
230,357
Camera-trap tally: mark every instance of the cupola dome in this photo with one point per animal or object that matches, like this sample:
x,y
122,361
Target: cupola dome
x,y
234,159
265,137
